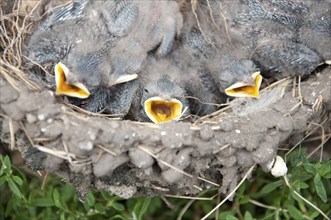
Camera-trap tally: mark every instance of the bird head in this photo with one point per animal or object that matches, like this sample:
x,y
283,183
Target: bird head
x,y
240,78
87,68
163,101
64,87
247,88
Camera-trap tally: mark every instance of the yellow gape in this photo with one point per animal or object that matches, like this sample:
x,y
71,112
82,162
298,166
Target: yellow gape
x,y
160,110
241,89
77,90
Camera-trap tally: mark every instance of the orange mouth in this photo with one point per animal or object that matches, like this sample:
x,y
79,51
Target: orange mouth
x,y
160,110
77,90
241,89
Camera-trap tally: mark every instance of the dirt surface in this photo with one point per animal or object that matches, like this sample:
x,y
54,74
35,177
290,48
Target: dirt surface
x,y
128,158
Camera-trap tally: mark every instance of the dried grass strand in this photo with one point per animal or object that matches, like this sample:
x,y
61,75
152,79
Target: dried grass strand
x,y
250,170
194,7
106,150
304,199
311,132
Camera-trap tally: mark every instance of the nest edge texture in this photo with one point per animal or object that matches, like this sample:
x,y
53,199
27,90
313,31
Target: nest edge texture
x,y
128,158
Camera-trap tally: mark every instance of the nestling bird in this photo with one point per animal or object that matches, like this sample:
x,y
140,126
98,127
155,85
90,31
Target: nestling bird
x,y
267,32
156,25
233,73
78,45
203,92
96,46
238,78
163,96
102,43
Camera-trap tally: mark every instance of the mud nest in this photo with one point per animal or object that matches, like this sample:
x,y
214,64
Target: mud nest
x,y
128,158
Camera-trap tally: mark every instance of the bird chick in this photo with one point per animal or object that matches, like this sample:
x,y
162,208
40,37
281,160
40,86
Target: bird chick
x,y
82,70
156,25
267,33
142,27
238,78
204,95
77,40
234,74
163,98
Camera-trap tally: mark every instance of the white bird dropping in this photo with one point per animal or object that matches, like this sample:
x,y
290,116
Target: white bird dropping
x,y
279,168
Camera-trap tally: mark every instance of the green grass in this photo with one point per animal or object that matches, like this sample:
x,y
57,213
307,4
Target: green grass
x,y
263,197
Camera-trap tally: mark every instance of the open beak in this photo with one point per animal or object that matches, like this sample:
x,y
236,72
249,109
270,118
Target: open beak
x,y
160,110
241,89
77,90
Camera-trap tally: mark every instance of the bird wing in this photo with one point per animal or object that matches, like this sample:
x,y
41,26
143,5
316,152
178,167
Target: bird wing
x,y
73,10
